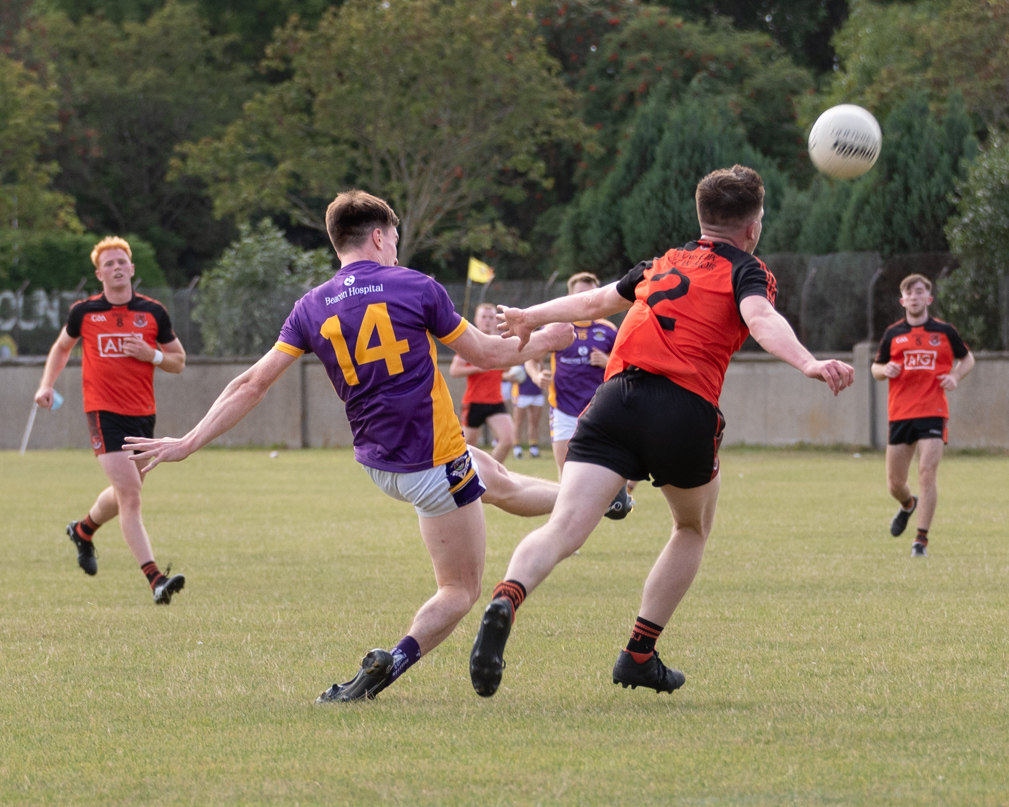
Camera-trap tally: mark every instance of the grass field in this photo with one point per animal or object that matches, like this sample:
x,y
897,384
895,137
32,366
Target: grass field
x,y
823,665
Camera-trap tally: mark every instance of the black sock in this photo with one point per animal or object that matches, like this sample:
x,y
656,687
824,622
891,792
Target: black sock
x,y
511,590
921,537
643,638
152,573
86,528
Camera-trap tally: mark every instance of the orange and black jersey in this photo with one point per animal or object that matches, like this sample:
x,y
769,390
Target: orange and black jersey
x,y
113,381
685,323
924,352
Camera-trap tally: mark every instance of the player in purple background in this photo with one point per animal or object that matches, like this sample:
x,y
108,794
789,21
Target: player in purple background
x,y
527,406
575,372
373,326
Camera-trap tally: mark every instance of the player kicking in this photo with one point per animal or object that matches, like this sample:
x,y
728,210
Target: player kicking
x,y
922,357
657,413
373,326
125,336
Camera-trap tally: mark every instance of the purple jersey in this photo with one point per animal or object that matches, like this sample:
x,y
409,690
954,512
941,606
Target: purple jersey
x,y
575,380
527,387
372,328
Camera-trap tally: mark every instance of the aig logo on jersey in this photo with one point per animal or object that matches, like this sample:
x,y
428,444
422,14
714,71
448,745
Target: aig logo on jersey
x,y
919,359
110,345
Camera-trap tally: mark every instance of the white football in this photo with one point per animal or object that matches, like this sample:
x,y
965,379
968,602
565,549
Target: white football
x,y
516,374
844,142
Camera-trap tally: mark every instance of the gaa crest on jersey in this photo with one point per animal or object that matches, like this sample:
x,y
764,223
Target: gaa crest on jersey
x,y
919,359
935,341
110,345
349,281
140,320
98,318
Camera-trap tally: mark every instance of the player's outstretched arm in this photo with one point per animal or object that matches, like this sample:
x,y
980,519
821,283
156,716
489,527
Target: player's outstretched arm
x,y
238,399
491,352
587,305
775,335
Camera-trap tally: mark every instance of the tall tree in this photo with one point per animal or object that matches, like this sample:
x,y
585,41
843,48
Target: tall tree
x,y
129,93
890,51
440,105
802,27
976,297
28,108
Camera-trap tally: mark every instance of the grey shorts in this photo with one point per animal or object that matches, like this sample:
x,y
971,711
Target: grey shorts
x,y
436,491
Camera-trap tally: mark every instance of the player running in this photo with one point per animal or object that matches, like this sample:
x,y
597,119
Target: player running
x,y
657,413
125,336
922,357
373,326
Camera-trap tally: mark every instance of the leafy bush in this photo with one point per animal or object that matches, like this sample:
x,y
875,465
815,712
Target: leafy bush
x,y
245,298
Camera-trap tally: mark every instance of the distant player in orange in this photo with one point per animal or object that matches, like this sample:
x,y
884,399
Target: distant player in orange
x,y
922,357
482,402
125,336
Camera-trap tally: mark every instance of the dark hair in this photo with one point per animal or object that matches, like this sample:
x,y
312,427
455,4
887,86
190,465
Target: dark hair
x,y
730,196
353,215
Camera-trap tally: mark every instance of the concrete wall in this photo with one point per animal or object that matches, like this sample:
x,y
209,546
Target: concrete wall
x,y
765,403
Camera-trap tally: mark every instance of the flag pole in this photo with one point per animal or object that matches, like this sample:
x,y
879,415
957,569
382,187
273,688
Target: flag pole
x,y
465,305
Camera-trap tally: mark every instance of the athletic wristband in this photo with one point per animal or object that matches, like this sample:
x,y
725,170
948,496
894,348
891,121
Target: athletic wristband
x,y
158,357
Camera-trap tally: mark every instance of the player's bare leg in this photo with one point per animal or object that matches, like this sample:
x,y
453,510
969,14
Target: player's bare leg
x,y
518,494
585,494
106,507
533,433
929,454
456,542
898,465
127,481
503,431
519,421
560,449
693,512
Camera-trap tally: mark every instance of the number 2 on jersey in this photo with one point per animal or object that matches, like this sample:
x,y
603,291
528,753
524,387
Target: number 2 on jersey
x,y
388,349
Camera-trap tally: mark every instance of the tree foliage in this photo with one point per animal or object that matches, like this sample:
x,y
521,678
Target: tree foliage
x,y
744,73
975,296
130,92
645,205
441,106
28,200
245,298
891,51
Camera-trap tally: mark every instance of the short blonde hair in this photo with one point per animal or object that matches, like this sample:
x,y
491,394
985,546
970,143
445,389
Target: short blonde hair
x,y
107,243
491,306
910,280
582,277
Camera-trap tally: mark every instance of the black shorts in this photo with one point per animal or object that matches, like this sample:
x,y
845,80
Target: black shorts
x,y
475,415
642,425
909,432
108,429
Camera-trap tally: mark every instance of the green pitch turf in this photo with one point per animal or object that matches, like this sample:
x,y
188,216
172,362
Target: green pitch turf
x,y
823,665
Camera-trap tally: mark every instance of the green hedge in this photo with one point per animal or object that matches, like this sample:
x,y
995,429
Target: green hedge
x,y
57,261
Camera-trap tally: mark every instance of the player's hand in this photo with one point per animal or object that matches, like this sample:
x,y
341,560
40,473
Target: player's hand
x,y
137,348
511,322
947,382
597,358
891,369
44,397
836,374
154,451
546,376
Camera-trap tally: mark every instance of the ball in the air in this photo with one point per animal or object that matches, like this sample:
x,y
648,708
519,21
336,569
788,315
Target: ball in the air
x,y
517,374
844,142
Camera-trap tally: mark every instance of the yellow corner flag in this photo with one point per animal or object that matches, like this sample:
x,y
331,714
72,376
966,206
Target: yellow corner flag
x,y
479,272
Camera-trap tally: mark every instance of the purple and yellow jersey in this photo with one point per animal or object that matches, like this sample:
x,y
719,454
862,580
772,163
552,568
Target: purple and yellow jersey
x,y
373,327
574,379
